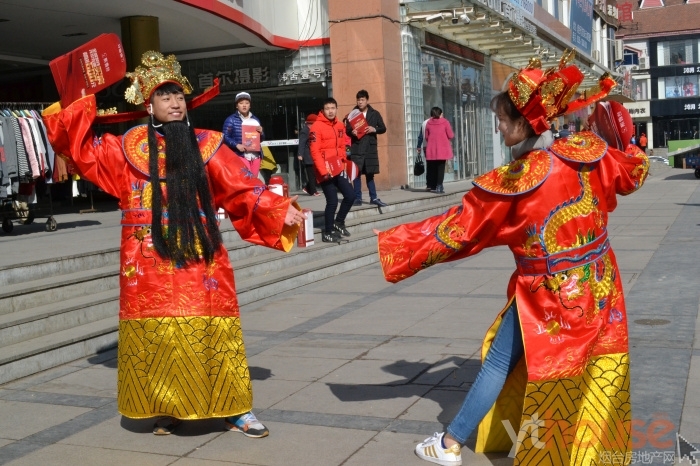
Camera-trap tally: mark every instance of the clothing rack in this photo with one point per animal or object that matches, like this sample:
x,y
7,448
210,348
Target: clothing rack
x,y
8,210
24,105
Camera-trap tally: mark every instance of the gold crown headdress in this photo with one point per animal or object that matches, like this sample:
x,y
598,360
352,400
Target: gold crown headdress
x,y
158,70
543,94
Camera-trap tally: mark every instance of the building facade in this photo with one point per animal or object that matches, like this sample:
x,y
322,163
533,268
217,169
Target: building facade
x,y
409,56
662,50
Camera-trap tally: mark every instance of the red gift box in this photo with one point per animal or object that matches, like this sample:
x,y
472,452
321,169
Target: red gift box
x,y
92,67
305,237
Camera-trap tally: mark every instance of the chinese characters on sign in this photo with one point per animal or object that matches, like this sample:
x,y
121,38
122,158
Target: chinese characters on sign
x,y
624,12
309,75
581,21
241,76
637,457
516,15
638,111
606,8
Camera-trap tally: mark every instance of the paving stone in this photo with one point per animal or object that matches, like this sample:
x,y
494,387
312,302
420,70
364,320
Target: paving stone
x,y
132,435
352,370
74,455
20,419
93,381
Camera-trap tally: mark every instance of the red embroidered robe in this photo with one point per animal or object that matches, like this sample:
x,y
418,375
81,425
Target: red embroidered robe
x,y
568,399
181,351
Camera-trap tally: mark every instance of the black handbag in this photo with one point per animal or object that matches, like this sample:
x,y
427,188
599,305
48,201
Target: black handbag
x,y
418,166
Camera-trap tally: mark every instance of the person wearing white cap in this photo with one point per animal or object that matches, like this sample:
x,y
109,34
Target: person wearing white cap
x,y
233,132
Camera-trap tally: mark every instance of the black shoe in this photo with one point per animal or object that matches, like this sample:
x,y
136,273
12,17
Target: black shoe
x,y
378,202
330,237
340,229
357,202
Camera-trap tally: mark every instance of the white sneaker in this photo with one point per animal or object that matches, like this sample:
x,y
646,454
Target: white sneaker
x,y
431,450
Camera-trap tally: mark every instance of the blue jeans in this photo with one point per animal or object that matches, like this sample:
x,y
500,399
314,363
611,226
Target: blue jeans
x,y
505,352
357,184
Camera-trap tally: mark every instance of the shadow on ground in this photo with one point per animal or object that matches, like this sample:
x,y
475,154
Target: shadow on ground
x,y
39,225
444,382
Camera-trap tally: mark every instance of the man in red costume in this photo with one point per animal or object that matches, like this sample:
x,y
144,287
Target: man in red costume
x,y
181,353
554,387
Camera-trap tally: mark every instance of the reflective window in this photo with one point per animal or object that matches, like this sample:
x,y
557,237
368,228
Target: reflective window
x,y
679,86
677,52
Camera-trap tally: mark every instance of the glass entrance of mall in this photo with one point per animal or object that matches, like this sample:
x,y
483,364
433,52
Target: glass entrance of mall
x,y
455,88
281,111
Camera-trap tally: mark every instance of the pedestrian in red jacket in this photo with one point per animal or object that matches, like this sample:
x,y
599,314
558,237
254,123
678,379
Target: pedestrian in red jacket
x,y
327,145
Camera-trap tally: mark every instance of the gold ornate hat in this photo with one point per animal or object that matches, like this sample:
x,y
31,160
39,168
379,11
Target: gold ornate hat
x,y
543,94
157,70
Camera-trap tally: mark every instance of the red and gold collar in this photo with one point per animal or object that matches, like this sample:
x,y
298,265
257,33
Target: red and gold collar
x,y
135,147
519,176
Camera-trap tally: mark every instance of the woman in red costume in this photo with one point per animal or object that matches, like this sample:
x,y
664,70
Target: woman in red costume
x,y
181,353
554,383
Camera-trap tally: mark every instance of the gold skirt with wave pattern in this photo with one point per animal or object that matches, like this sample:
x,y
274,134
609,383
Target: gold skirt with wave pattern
x,y
183,367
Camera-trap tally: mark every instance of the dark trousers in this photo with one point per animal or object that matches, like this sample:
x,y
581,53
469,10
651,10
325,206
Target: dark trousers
x,y
330,190
434,173
357,185
310,179
267,174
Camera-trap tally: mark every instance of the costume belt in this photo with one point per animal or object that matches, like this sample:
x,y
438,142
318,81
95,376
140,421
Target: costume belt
x,y
564,260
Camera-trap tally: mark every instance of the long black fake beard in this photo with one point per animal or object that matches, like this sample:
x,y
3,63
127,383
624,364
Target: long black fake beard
x,y
186,238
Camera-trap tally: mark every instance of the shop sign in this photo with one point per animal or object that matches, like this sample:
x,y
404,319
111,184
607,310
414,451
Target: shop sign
x,y
638,109
528,6
582,24
307,75
624,12
691,70
441,43
514,11
607,10
234,78
516,16
675,107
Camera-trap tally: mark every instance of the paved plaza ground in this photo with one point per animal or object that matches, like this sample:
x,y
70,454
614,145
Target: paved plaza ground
x,y
353,370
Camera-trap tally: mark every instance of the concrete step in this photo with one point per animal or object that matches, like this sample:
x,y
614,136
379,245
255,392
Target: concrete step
x,y
38,354
26,272
331,259
35,293
50,318
72,311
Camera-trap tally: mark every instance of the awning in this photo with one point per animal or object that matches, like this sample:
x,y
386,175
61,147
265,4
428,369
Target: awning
x,y
508,36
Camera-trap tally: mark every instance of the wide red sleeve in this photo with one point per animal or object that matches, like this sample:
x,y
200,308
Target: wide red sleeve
x,y
100,160
464,230
622,172
257,213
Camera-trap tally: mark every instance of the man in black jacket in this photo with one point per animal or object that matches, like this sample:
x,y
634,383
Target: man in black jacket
x,y
364,150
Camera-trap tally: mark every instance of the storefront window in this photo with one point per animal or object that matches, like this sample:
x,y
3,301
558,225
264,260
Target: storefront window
x,y
675,129
456,89
640,91
677,52
281,110
679,86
